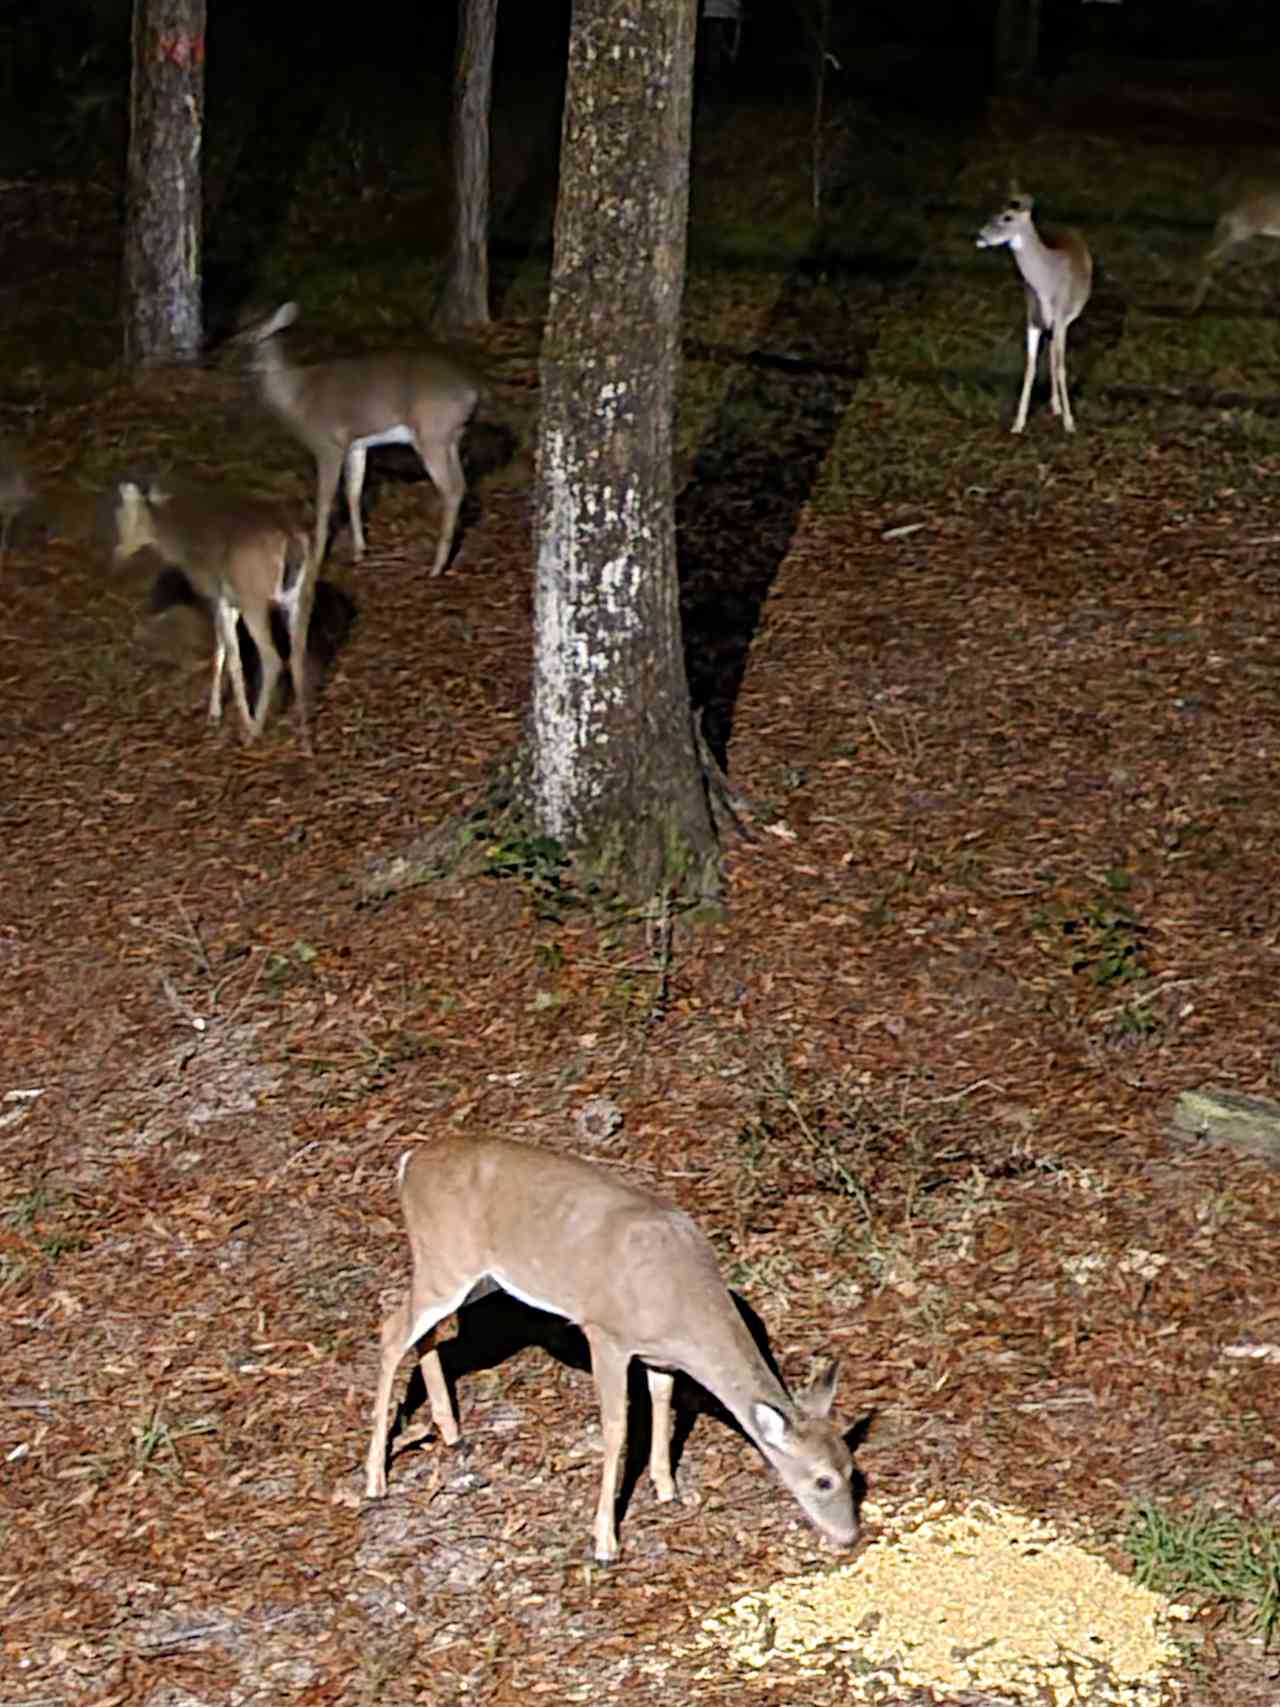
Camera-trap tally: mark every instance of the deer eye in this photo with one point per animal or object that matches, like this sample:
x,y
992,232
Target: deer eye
x,y
825,1484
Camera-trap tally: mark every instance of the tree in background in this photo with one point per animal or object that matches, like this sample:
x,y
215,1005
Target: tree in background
x,y
465,300
1017,42
162,239
614,773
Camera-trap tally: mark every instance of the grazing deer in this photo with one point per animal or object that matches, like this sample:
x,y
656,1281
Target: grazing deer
x,y
341,409
237,554
1058,274
1253,215
639,1279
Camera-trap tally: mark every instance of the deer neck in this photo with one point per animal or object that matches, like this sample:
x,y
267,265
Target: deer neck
x,y
278,381
730,1366
1035,259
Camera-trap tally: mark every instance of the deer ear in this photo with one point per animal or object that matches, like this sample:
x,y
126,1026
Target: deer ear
x,y
770,1423
816,1399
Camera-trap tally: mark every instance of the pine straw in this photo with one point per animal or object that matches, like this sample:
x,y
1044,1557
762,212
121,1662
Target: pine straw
x,y
920,1138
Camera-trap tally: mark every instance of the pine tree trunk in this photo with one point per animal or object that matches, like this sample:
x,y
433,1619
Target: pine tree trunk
x,y
1017,54
615,775
162,217
465,300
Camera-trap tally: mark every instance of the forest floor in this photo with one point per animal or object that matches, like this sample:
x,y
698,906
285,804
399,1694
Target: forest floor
x,y
1007,713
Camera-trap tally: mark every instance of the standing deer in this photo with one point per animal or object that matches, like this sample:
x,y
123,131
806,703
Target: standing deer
x,y
340,410
240,556
639,1279
1058,275
1253,215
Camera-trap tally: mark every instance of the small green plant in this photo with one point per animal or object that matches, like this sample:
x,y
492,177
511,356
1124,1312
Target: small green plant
x,y
57,1244
155,1442
1230,1560
828,1129
150,1440
1133,1020
1102,937
537,862
281,969
550,956
374,1062
23,1212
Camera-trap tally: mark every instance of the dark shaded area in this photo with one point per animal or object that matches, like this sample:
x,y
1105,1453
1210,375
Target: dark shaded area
x,y
737,513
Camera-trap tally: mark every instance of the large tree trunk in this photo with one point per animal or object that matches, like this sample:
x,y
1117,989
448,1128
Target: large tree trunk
x,y
162,216
615,774
465,300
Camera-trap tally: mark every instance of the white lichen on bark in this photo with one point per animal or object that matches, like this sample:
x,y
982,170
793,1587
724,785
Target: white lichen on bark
x,y
614,773
577,681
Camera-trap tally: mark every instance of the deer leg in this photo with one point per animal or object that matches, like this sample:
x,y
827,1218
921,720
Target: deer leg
x,y
219,664
297,594
438,1396
1058,367
397,1337
444,465
328,470
227,616
258,622
1225,238
660,1386
609,1366
395,1331
356,458
1028,378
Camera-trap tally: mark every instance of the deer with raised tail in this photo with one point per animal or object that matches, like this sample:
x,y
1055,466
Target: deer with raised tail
x,y
1254,215
637,1276
240,556
340,410
1058,274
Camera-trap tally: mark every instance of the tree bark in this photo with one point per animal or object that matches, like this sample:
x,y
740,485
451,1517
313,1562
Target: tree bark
x,y
614,773
465,299
162,214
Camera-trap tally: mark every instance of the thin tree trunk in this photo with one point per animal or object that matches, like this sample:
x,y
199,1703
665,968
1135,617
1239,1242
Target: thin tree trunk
x,y
465,299
162,215
614,773
1017,42
822,35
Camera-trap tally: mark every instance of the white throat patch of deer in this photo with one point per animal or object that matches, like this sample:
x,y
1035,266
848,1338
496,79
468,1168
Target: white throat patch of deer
x,y
637,1276
340,410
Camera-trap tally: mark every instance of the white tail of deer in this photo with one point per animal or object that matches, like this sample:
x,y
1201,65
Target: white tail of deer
x,y
1253,215
340,410
239,556
639,1279
1058,274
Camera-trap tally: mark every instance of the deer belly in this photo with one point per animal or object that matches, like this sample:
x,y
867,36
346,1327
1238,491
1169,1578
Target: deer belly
x,y
391,436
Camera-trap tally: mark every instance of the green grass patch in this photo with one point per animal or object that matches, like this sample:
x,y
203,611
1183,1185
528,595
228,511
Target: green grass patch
x,y
1221,1559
